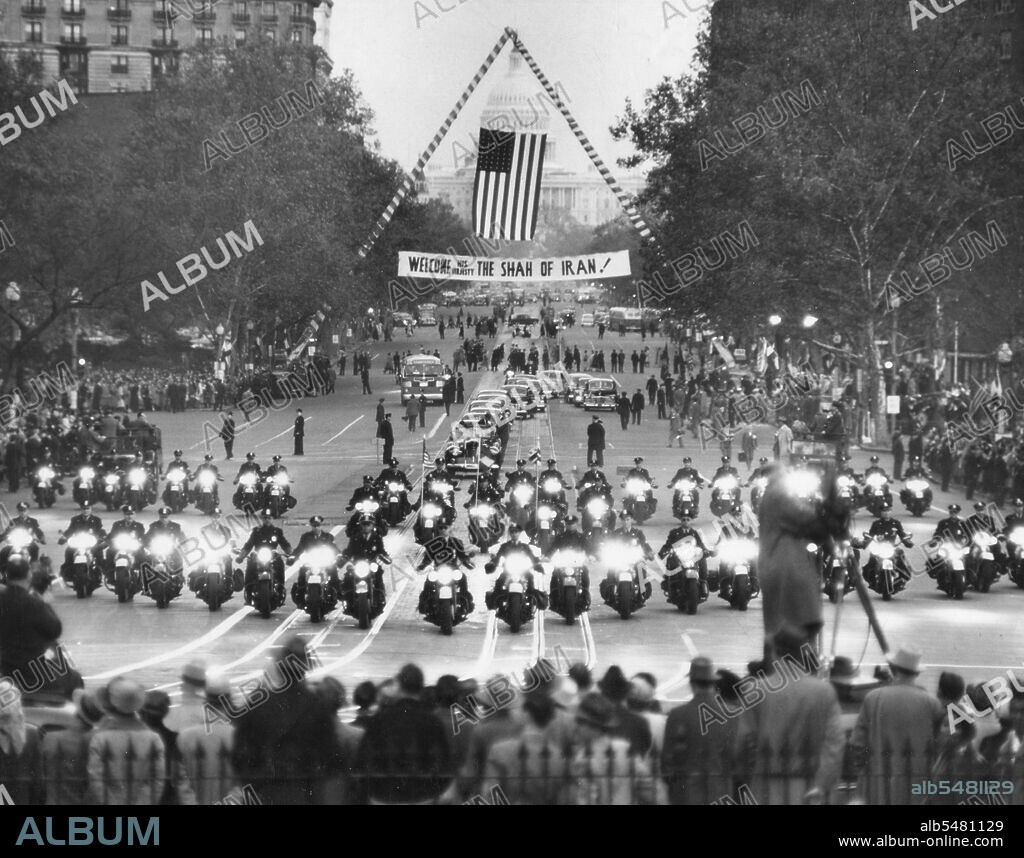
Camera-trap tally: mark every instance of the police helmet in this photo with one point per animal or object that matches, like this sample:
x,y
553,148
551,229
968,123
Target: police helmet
x,y
520,462
316,521
687,460
763,460
22,506
128,509
394,463
954,507
215,511
164,511
637,460
267,513
874,460
277,458
177,454
725,460
249,457
207,458
1018,502
552,462
979,506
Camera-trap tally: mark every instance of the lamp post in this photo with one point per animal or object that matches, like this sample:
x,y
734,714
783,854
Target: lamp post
x,y
218,368
248,347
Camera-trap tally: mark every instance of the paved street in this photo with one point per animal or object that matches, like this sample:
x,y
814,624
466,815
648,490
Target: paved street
x,y
979,637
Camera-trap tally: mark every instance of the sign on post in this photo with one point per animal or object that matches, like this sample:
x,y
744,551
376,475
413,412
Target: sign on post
x,y
892,405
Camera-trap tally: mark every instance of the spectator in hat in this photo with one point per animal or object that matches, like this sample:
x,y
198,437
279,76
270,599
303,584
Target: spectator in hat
x,y
595,442
66,753
126,758
204,773
527,768
627,724
603,770
21,765
406,748
365,698
154,710
191,710
285,742
792,740
498,724
896,734
697,759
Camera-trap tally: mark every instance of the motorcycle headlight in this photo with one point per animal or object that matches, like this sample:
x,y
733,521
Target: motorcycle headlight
x,y
367,506
876,481
431,510
564,559
917,485
361,569
136,476
546,513
636,486
761,483
736,551
522,493
19,537
444,576
176,476
207,479
685,486
1017,536
983,539
884,550
726,483
125,543
87,474
82,541
46,473
482,510
162,545
618,555
597,507
320,557
248,479
281,479
439,488
111,479
845,482
518,564
552,485
264,554
394,487
803,484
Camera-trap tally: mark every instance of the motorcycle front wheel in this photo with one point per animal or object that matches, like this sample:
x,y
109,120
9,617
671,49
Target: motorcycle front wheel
x,y
446,612
514,607
569,605
741,592
363,610
625,598
692,595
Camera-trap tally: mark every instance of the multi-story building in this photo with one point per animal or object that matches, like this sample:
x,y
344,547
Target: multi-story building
x,y
102,46
518,103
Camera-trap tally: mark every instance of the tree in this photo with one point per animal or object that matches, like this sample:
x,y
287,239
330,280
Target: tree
x,y
851,189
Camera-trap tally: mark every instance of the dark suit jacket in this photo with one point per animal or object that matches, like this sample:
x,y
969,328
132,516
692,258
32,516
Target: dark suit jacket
x,y
300,426
28,626
595,436
638,402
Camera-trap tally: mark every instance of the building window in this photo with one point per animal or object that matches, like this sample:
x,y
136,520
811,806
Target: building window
x,y
34,6
119,87
119,35
270,36
269,9
240,7
239,36
1004,7
206,35
1005,45
33,31
73,34
119,64
298,10
71,6
164,35
296,37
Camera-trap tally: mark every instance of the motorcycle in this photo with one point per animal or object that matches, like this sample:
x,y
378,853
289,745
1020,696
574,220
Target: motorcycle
x,y
136,488
736,560
848,491
83,575
84,488
553,491
248,492
836,567
686,500
515,604
361,600
639,501
125,574
876,493
567,598
917,496
321,595
111,490
622,588
397,503
426,522
521,505
276,497
549,525
45,486
981,565
880,571
21,547
207,499
1015,552
485,525
725,496
266,596
598,521
176,491
683,589
951,556
757,492
215,577
447,610
166,581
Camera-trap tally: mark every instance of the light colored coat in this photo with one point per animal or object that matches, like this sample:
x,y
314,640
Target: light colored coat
x,y
126,763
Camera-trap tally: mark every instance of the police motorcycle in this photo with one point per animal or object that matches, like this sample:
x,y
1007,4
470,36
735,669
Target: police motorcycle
x,y
876,493
517,602
725,495
163,568
520,504
916,496
737,560
320,564
83,489
686,499
682,588
486,526
565,591
124,571
625,588
597,518
447,609
83,575
881,572
949,567
213,578
982,567
839,568
1015,554
277,494
136,487
248,495
757,490
207,498
20,546
848,490
266,595
109,488
639,501
395,499
176,489
45,486
550,523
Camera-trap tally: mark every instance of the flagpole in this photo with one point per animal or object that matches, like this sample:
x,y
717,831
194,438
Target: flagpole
x,y
423,476
417,171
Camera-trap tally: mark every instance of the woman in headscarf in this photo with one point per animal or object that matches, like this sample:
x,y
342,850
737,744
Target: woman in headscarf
x,y
21,771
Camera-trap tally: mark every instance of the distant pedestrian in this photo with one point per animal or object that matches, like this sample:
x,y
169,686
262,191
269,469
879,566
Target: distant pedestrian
x,y
299,432
675,428
460,390
412,411
227,434
380,414
448,395
422,405
623,408
440,328
364,375
659,397
595,442
749,445
387,435
899,452
652,389
637,406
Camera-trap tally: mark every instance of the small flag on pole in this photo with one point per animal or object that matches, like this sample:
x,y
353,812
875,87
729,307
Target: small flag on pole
x,y
426,455
506,192
535,454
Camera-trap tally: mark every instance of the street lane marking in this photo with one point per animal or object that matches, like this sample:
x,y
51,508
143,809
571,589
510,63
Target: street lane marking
x,y
343,431
437,425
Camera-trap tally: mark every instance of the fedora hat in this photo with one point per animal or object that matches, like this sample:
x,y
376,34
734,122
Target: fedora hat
x,y
122,696
595,711
702,669
194,673
843,670
87,708
906,660
614,684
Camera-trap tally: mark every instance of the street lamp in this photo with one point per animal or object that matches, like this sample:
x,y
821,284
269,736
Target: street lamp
x,y
248,347
775,320
810,321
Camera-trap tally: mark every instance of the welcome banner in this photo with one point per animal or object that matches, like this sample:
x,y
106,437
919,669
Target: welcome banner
x,y
441,266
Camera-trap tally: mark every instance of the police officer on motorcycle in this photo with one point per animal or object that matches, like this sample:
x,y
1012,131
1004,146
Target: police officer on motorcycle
x,y
519,543
367,544
203,468
249,466
889,529
763,469
984,522
684,530
126,524
309,540
726,469
394,474
594,475
916,470
950,529
445,549
519,475
165,525
27,522
83,522
571,539
875,468
216,535
688,472
440,486
367,491
489,490
551,472
270,535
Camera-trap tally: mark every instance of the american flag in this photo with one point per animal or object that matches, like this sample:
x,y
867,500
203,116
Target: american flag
x,y
535,454
426,455
506,193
